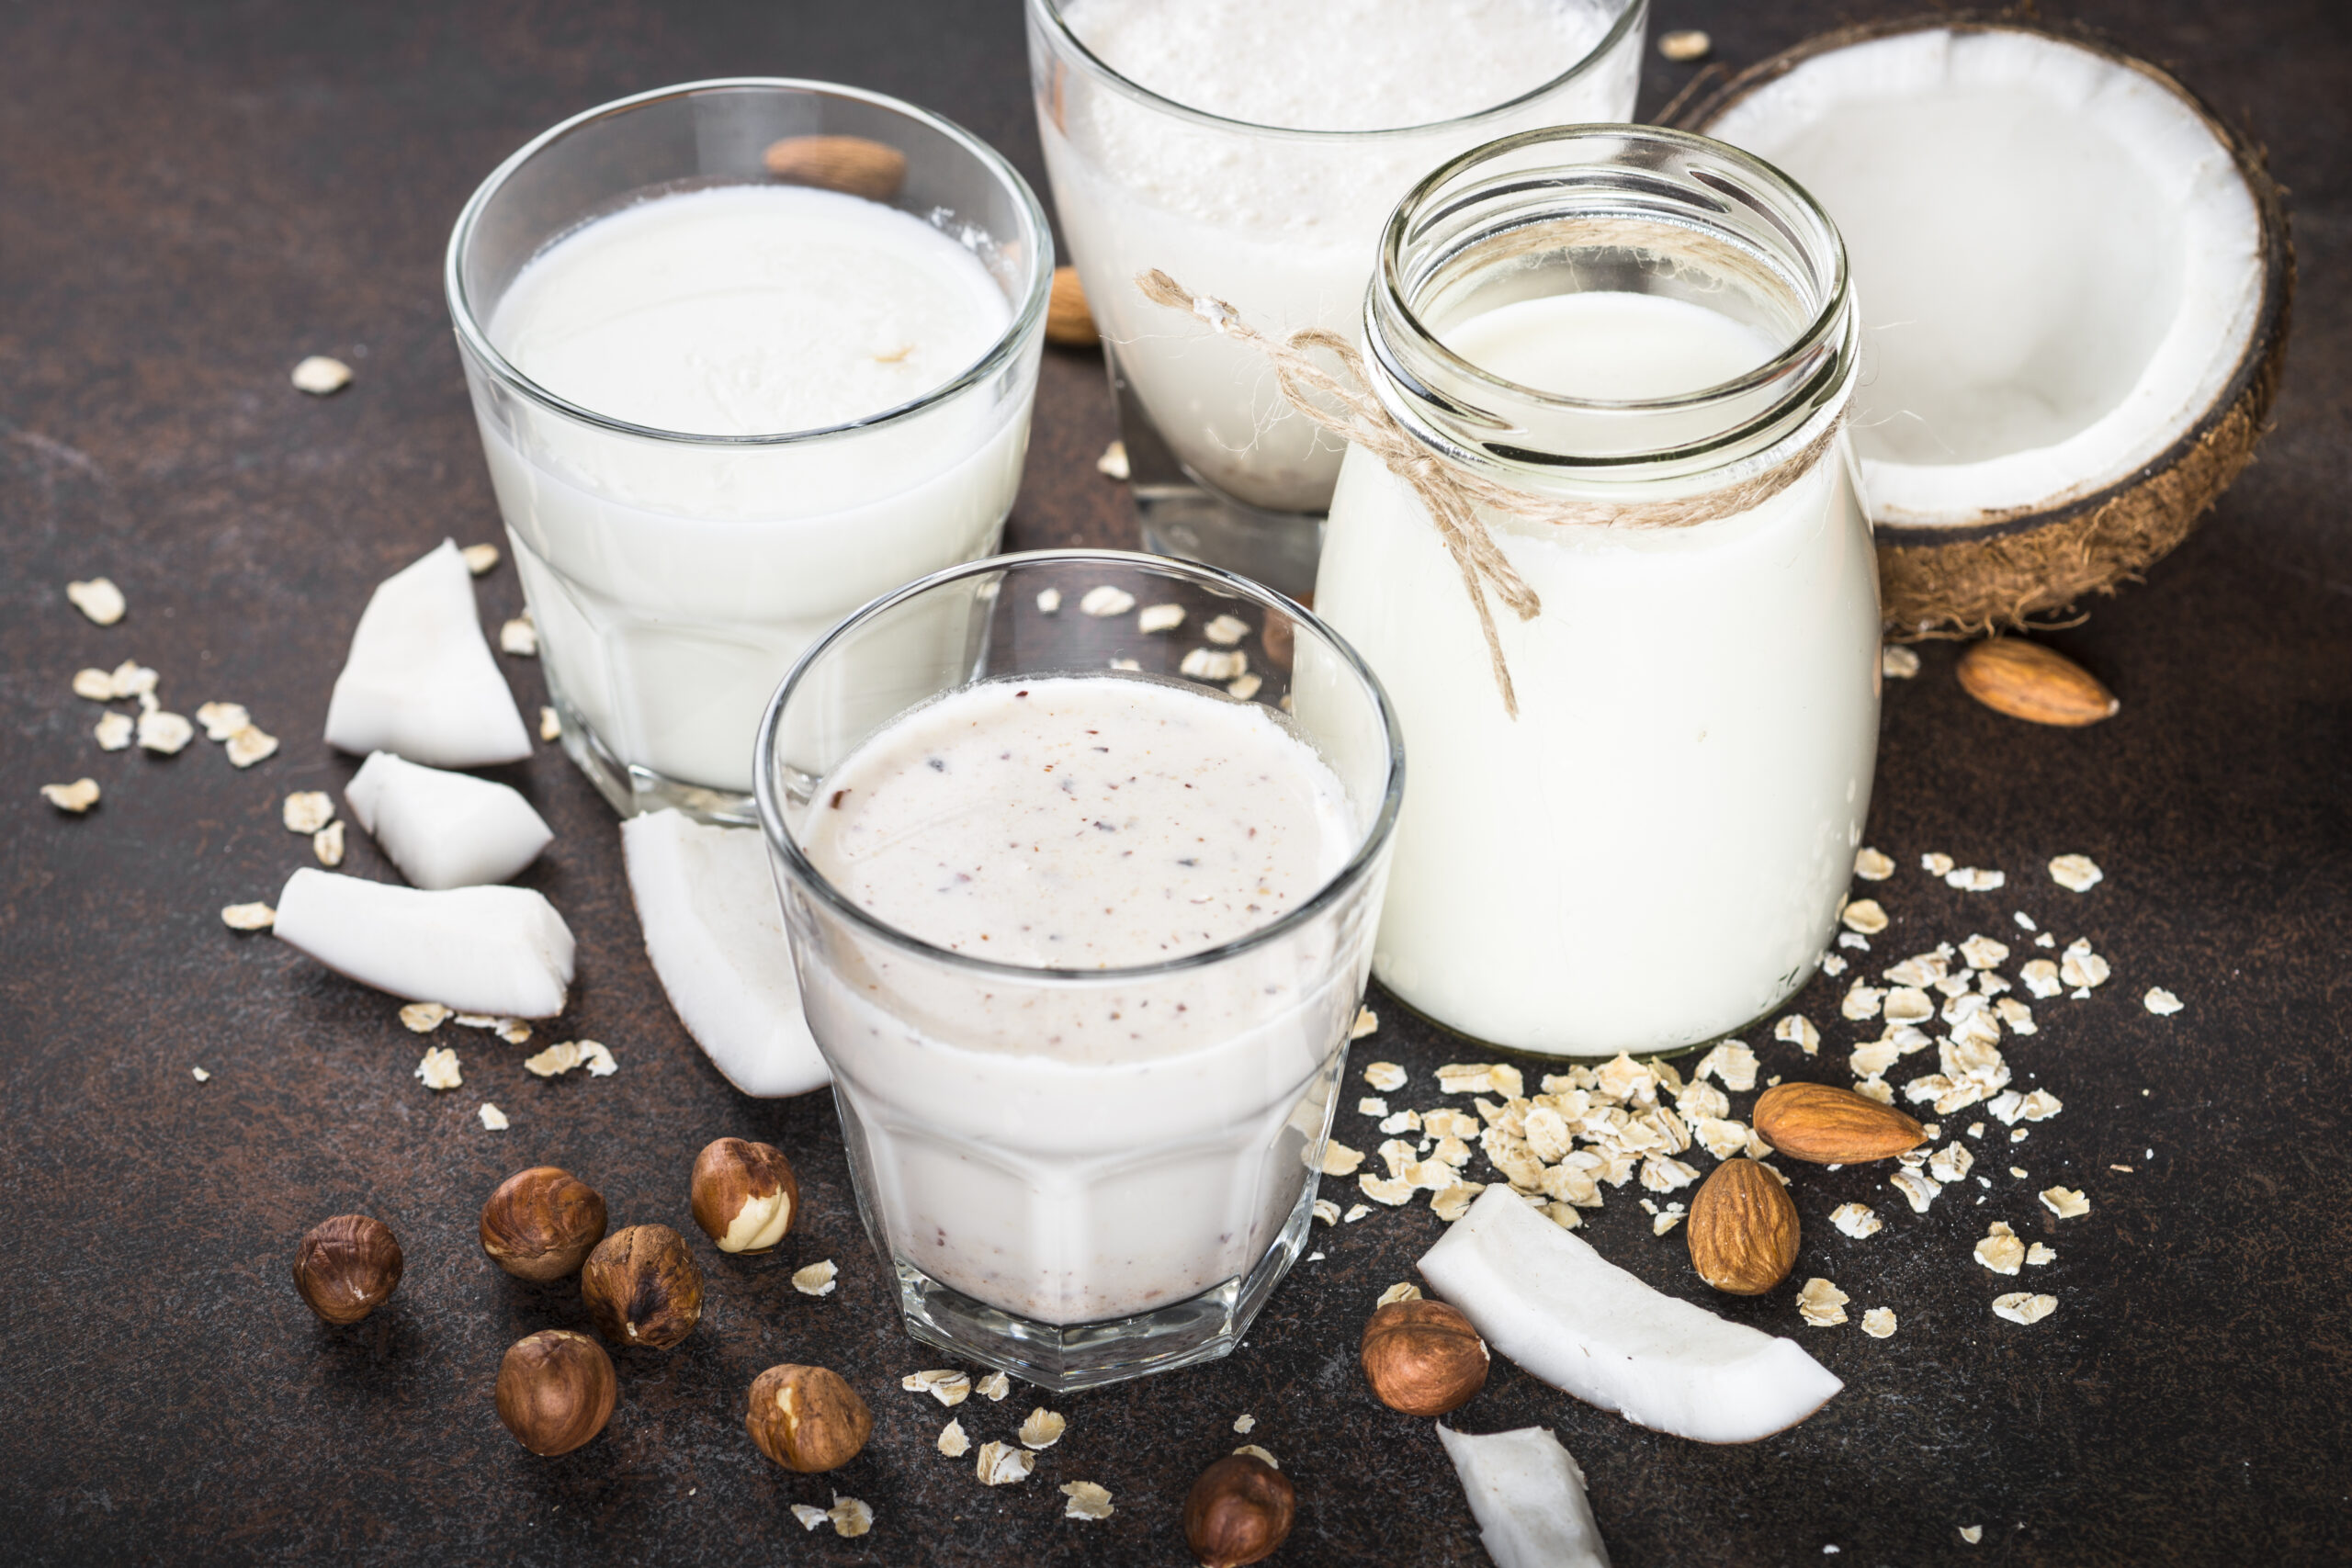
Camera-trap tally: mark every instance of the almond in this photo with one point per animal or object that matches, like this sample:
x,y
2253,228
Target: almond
x,y
1067,320
849,163
1833,1127
1743,1229
2028,681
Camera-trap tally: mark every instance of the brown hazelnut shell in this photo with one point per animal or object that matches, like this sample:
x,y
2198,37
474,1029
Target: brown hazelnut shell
x,y
1238,1511
807,1419
733,1172
1424,1358
642,1288
555,1390
346,1266
542,1223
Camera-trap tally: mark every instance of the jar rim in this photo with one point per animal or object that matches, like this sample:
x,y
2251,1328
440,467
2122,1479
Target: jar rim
x,y
1047,14
1395,328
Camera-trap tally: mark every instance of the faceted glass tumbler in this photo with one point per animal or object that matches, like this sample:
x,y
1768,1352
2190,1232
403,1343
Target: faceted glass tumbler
x,y
1081,1222
676,577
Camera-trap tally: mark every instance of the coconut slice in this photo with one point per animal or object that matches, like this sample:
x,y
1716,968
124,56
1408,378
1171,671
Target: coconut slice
x,y
2075,282
486,949
1552,1304
706,900
421,680
1527,1497
444,830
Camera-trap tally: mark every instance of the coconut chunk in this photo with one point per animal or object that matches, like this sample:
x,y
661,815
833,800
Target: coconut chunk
x,y
493,949
444,830
1550,1303
706,903
1527,1496
421,680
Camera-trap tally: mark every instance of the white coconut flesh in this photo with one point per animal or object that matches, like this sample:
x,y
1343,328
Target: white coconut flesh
x,y
1527,1493
2059,264
444,830
501,951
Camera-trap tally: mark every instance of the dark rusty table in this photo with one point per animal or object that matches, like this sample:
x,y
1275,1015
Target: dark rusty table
x,y
193,198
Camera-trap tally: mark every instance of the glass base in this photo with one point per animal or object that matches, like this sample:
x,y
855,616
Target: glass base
x,y
1062,1356
632,789
1762,1021
1182,515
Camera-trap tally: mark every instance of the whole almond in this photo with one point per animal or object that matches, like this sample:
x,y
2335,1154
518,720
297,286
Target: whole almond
x,y
2028,681
1743,1229
1826,1125
1067,320
850,163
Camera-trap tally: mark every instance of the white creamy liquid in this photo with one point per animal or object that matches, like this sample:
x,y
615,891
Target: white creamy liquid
x,y
1081,1150
1653,853
674,584
1285,229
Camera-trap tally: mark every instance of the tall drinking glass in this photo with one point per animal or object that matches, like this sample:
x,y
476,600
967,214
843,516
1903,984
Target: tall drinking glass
x,y
1079,1214
676,576
1283,223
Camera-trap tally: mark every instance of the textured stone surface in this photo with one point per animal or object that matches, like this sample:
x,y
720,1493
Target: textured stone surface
x,y
194,198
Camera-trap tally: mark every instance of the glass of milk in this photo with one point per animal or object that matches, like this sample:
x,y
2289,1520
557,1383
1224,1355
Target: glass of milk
x,y
1081,916
744,354
1251,149
1653,853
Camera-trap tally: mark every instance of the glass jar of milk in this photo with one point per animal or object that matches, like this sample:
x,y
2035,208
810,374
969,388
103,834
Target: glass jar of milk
x,y
1629,329
1251,149
744,355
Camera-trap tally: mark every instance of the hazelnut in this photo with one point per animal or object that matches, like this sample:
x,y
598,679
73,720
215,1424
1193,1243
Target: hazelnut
x,y
807,1419
1238,1511
346,1266
555,1390
745,1196
541,1222
642,1288
1424,1358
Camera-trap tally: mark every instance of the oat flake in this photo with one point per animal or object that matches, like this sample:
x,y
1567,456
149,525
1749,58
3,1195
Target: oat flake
x,y
200,1074
327,844
519,636
810,1515
1208,664
1106,601
480,559
221,720
423,1018
1340,1160
2037,1255
1366,1022
164,732
306,811
1043,1428
1002,1465
1970,879
94,684
1254,1451
2001,1251
944,1384
2022,1306
2158,1000
1895,661
2077,873
1403,1290
1113,464
1355,1212
1327,1211
1049,600
816,1280
550,724
1821,1303
851,1518
952,1441
439,1069
1972,1534
99,599
1872,866
492,1118
2066,1203
249,917
1226,630
1864,915
993,1387
75,797
1244,689
321,376
1160,618
1856,1220
1087,1501
2080,967
1798,1031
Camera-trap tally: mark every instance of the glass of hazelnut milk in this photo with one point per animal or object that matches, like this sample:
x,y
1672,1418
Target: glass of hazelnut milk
x,y
1251,149
1082,915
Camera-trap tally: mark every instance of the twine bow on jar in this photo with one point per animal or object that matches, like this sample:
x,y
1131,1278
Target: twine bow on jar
x,y
1452,494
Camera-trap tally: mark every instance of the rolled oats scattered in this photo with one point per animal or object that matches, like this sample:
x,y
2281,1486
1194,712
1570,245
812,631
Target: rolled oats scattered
x,y
221,720
1879,1323
1864,915
1832,965
952,1441
1124,664
1366,1022
2037,1255
1243,689
1984,953
1666,1219
1861,1003
492,1119
1917,1191
1936,864
1821,1303
561,1058
200,1074
1907,1004
1113,464
1087,1501
993,1387
163,732
1872,866
1797,1030
1731,1064
2041,977
2023,1306
944,1384
1245,1424
1403,1290
1393,1192
2158,1000
1002,1465
1043,1428
1683,46
1972,1534
1970,879
1049,600
1450,1203
1160,618
2080,967
2001,1251
1856,1220
1106,601
99,599
249,917
2018,1016
1384,1076
1660,1174
550,724
75,797
1950,1164
2043,939
1355,1212
94,684
1209,664
423,1018
810,1515
1340,1160
1226,630
519,636
327,844
1897,663
2077,873
816,1280
1400,1121
480,559
439,1069
851,1518
321,376
1876,1089
249,745
2066,1203
306,811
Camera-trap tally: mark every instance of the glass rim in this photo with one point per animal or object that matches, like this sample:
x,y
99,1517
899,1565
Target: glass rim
x,y
1028,319
1388,289
1360,863
1634,13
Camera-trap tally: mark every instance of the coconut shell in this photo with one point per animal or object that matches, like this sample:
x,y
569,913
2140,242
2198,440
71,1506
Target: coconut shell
x,y
1970,578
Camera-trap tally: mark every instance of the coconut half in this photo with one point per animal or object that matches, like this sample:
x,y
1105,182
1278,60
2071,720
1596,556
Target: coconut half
x,y
2074,281
1527,1493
